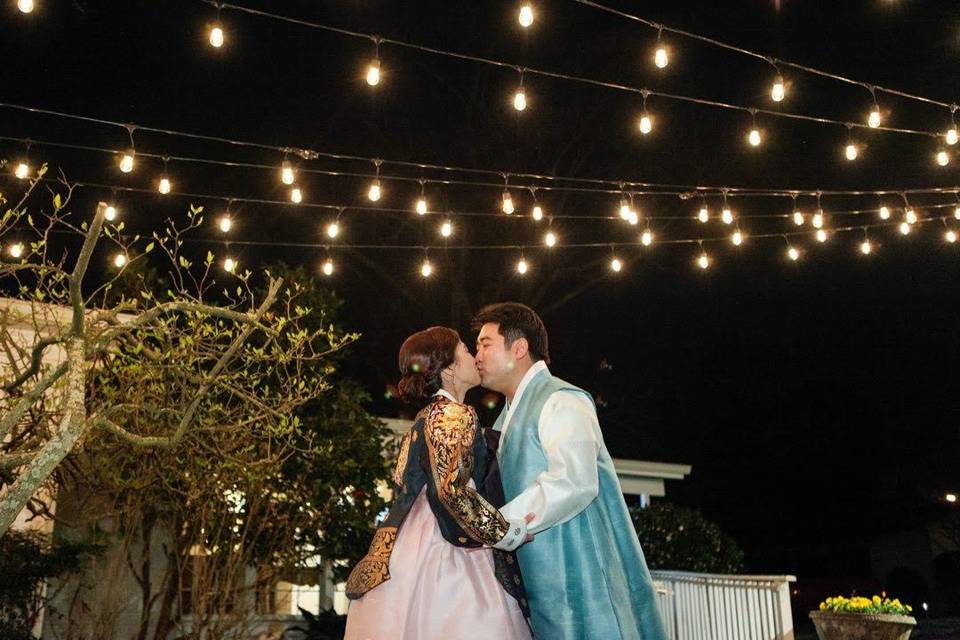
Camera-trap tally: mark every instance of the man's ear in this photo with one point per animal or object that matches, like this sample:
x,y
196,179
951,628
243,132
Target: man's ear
x,y
520,348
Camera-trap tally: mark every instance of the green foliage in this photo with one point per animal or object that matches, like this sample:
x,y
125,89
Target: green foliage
x,y
676,538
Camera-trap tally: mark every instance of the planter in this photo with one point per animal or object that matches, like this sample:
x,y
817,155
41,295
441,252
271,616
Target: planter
x,y
858,626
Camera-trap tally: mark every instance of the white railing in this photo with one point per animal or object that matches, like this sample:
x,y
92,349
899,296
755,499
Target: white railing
x,y
703,606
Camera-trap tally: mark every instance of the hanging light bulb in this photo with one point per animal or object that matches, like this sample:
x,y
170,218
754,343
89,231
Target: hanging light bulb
x,y
956,213
110,213
624,209
661,56
704,215
726,215
225,223
522,266
866,247
905,228
164,185
943,158
520,100
16,250
537,213
421,207
374,192
703,261
446,229
798,218
873,120
507,203
910,215
737,238
296,195
616,265
287,176
793,254
126,161
327,267
647,238
952,135
22,170
373,73
216,36
119,260
950,236
229,265
333,230
633,218
851,151
821,235
884,212
778,91
426,269
818,219
25,6
526,16
754,137
550,239
646,123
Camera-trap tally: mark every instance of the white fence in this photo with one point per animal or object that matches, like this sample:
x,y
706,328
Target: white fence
x,y
700,606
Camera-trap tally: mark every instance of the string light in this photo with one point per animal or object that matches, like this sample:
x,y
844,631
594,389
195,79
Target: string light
x,y
616,265
164,185
296,195
229,265
884,212
22,170
16,250
754,137
905,228
225,223
550,239
798,218
287,175
779,90
522,266
646,123
110,213
661,57
950,236
633,218
506,204
374,192
726,215
216,34
736,238
943,158
952,135
119,260
446,229
866,247
373,73
851,151
327,267
647,238
793,253
821,235
956,213
817,221
703,215
624,209
127,161
537,213
426,269
873,119
520,100
25,6
526,16
421,206
333,230
911,216
703,261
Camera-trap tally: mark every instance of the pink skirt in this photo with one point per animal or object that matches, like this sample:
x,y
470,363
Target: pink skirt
x,y
436,591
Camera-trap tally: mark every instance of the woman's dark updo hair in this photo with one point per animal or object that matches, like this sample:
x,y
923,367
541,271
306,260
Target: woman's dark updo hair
x,y
422,357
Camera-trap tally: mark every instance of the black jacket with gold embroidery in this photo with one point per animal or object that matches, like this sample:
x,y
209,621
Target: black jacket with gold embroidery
x,y
443,450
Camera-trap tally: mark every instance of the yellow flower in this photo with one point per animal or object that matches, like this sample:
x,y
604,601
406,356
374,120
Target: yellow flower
x,y
876,599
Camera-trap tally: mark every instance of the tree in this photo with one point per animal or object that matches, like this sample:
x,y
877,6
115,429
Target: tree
x,y
681,539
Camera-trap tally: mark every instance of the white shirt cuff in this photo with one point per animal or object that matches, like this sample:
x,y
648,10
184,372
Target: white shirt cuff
x,y
515,536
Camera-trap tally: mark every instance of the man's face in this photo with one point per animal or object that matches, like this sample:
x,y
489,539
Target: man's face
x,y
495,360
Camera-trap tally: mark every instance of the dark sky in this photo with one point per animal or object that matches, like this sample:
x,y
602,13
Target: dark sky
x,y
817,402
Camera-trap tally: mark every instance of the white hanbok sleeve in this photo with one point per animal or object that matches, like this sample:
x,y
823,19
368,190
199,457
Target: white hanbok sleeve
x,y
570,435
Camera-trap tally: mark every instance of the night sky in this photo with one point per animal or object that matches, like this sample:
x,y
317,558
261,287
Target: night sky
x,y
818,402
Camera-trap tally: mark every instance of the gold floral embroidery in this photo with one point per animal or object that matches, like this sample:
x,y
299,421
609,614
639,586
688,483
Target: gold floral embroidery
x,y
402,459
374,568
450,429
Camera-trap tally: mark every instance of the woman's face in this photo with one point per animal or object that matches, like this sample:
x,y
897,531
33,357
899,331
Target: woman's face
x,y
464,369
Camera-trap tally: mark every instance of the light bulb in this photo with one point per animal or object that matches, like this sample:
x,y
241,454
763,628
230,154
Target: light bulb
x,y
550,239
373,73
884,212
119,260
818,219
286,173
216,36
821,235
507,204
25,6
873,120
229,265
793,254
646,124
296,196
110,213
426,269
660,57
943,158
950,236
904,228
422,206
225,223
374,192
952,136
798,218
164,186
526,16
126,162
633,218
703,261
537,213
911,216
754,137
333,230
327,267
522,266
446,229
726,215
16,250
616,265
851,151
520,100
737,238
703,215
956,213
22,170
624,210
778,91
866,247
647,238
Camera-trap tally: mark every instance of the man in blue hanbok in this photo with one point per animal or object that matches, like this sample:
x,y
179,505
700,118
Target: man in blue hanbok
x,y
584,571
